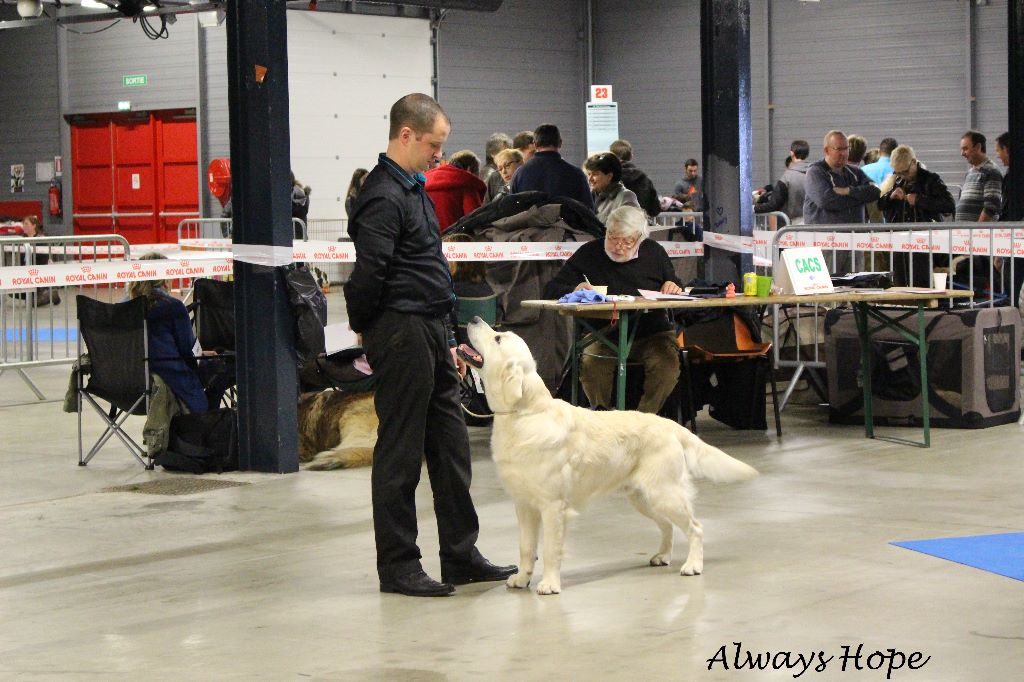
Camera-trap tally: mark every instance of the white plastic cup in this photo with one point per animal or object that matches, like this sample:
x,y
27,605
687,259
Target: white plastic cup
x,y
603,289
939,280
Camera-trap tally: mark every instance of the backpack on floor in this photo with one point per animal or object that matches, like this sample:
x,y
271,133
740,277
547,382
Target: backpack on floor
x,y
202,442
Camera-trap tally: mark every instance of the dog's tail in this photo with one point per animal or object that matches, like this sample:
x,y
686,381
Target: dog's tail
x,y
707,461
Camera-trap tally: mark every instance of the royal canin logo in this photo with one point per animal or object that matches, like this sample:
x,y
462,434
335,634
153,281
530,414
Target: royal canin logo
x,y
332,249
87,268
920,240
488,247
33,272
136,266
184,263
524,248
875,238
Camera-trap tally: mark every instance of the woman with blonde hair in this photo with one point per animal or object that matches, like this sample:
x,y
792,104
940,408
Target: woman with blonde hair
x,y
171,341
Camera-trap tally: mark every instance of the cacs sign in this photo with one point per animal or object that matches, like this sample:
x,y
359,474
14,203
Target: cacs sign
x,y
804,271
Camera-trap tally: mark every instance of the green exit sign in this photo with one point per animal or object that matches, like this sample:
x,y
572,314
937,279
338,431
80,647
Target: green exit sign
x,y
136,81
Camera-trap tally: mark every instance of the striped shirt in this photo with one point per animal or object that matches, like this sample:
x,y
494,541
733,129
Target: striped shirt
x,y
982,190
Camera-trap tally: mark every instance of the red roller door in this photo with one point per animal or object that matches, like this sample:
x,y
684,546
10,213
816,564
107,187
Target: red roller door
x,y
135,175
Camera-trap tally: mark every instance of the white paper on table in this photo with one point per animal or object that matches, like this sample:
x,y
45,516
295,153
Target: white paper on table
x,y
658,296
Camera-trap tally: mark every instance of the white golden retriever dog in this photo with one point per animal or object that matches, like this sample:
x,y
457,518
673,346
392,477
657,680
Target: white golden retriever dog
x,y
553,458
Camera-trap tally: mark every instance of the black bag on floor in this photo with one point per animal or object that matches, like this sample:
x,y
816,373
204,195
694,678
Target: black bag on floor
x,y
202,442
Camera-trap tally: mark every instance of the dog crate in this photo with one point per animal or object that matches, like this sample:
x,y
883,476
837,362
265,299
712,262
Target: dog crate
x,y
973,370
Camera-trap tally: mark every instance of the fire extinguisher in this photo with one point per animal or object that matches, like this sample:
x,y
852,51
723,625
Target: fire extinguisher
x,y
56,208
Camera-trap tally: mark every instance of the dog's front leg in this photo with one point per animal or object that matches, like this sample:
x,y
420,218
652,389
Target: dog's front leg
x,y
529,527
553,515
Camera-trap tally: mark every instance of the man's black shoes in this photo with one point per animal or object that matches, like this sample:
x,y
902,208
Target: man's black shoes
x,y
417,584
478,571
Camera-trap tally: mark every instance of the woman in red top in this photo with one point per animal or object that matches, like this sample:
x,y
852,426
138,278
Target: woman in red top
x,y
455,188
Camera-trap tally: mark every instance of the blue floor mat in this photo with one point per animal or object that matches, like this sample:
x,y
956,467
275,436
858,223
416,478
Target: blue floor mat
x,y
1002,554
45,335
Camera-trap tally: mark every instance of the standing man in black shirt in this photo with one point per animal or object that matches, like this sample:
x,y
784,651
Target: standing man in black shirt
x,y
399,298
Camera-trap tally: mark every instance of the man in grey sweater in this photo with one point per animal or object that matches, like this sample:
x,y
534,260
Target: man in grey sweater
x,y
836,192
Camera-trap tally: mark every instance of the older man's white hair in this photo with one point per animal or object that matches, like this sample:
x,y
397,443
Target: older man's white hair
x,y
627,222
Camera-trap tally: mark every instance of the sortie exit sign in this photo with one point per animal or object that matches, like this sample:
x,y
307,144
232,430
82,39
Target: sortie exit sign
x,y
135,81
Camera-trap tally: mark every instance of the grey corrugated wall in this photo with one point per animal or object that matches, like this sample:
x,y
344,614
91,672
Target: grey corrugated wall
x,y
649,52
990,75
512,70
213,115
871,67
98,62
29,124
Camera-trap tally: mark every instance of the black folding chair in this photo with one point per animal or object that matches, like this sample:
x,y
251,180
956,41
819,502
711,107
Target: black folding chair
x,y
214,314
213,319
116,339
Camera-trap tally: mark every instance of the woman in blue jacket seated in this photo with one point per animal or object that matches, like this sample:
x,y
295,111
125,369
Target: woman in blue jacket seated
x,y
171,344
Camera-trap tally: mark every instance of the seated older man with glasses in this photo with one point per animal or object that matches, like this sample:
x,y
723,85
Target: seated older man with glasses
x,y
626,261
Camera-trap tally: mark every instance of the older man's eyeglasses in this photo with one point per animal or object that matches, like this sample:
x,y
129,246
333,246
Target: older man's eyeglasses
x,y
507,166
621,241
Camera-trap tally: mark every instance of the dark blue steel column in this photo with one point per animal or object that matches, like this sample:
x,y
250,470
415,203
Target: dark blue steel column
x,y
261,198
725,113
1015,96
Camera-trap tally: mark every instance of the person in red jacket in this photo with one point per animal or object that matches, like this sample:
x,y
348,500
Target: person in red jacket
x,y
455,188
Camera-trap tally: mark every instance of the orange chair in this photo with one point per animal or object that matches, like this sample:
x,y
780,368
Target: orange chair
x,y
726,339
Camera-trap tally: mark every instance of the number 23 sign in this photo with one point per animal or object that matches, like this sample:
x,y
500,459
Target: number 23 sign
x,y
601,93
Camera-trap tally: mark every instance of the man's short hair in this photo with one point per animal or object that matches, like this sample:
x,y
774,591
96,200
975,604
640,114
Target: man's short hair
x,y
901,158
547,135
466,160
605,162
887,145
690,162
1004,140
829,134
800,148
622,149
628,222
976,138
417,111
495,143
523,140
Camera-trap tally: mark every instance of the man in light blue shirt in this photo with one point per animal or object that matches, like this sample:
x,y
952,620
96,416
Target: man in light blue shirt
x,y
881,169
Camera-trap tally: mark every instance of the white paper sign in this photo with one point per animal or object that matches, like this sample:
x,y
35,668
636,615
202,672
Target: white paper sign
x,y
136,181
804,271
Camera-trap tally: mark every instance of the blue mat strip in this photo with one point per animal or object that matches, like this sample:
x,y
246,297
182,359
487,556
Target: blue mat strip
x,y
58,335
1002,554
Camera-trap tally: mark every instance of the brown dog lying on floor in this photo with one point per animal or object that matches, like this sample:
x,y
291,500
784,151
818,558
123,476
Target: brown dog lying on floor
x,y
337,430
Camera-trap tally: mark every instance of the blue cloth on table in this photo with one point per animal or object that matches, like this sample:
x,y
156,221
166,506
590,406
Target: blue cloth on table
x,y
583,296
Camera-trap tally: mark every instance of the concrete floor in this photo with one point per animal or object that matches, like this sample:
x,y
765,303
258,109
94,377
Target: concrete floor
x,y
275,580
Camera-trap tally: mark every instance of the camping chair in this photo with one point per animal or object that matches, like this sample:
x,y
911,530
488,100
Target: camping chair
x,y
474,405
213,320
214,314
723,340
468,307
116,340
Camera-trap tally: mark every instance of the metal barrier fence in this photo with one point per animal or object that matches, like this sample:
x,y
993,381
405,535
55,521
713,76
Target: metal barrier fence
x,y
992,255
40,324
219,228
334,229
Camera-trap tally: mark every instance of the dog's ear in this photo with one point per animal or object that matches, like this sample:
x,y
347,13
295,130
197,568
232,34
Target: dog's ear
x,y
512,382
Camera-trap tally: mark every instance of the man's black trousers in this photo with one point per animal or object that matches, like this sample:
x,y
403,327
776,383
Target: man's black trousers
x,y
417,402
